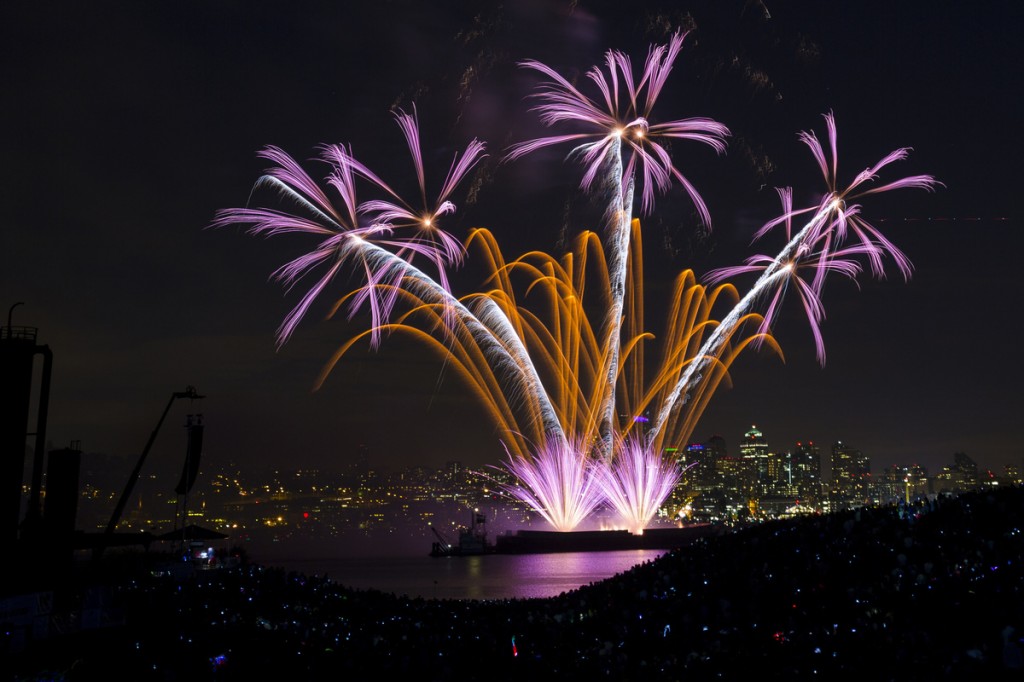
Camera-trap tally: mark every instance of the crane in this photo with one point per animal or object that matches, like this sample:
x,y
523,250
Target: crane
x,y
442,548
115,518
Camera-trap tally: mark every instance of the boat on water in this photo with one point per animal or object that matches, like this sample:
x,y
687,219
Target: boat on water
x,y
473,539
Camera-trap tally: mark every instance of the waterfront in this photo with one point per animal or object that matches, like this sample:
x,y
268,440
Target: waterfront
x,y
932,590
492,576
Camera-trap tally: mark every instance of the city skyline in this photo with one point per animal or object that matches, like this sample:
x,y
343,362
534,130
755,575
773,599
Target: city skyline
x,y
261,509
136,299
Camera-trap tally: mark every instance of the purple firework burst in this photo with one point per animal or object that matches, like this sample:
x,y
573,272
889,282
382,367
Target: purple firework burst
x,y
621,118
376,237
558,482
831,241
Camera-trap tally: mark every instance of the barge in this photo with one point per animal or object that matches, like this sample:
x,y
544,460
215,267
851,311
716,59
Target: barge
x,y
473,540
545,541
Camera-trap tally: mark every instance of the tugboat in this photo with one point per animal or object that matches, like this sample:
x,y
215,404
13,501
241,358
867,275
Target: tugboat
x,y
472,539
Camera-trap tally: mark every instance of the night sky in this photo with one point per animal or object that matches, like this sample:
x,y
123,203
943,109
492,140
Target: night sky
x,y
127,125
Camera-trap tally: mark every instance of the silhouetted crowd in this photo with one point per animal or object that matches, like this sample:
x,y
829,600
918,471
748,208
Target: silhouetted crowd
x,y
926,591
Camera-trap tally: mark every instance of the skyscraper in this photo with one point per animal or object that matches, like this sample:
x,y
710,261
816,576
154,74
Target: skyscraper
x,y
703,456
959,478
761,470
851,476
803,470
900,483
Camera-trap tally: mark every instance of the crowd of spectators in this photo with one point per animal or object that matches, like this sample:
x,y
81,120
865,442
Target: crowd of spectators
x,y
925,591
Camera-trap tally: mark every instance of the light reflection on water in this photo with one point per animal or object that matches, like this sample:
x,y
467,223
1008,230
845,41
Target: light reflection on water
x,y
494,576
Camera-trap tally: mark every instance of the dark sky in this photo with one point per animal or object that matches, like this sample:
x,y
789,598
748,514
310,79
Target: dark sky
x,y
128,125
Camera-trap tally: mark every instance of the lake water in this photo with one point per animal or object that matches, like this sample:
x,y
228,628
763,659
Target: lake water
x,y
492,576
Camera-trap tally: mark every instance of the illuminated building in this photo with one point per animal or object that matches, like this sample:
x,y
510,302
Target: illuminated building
x,y
732,475
898,483
705,456
851,476
802,471
761,466
959,478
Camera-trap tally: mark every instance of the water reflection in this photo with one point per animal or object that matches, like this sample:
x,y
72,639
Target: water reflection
x,y
496,576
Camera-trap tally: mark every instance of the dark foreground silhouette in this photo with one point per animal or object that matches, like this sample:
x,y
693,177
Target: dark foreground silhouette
x,y
921,592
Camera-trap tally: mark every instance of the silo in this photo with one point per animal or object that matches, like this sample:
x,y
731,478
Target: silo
x,y
18,349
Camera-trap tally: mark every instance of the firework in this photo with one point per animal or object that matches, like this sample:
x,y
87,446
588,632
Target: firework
x,y
636,482
820,247
558,482
573,400
377,237
619,141
618,132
